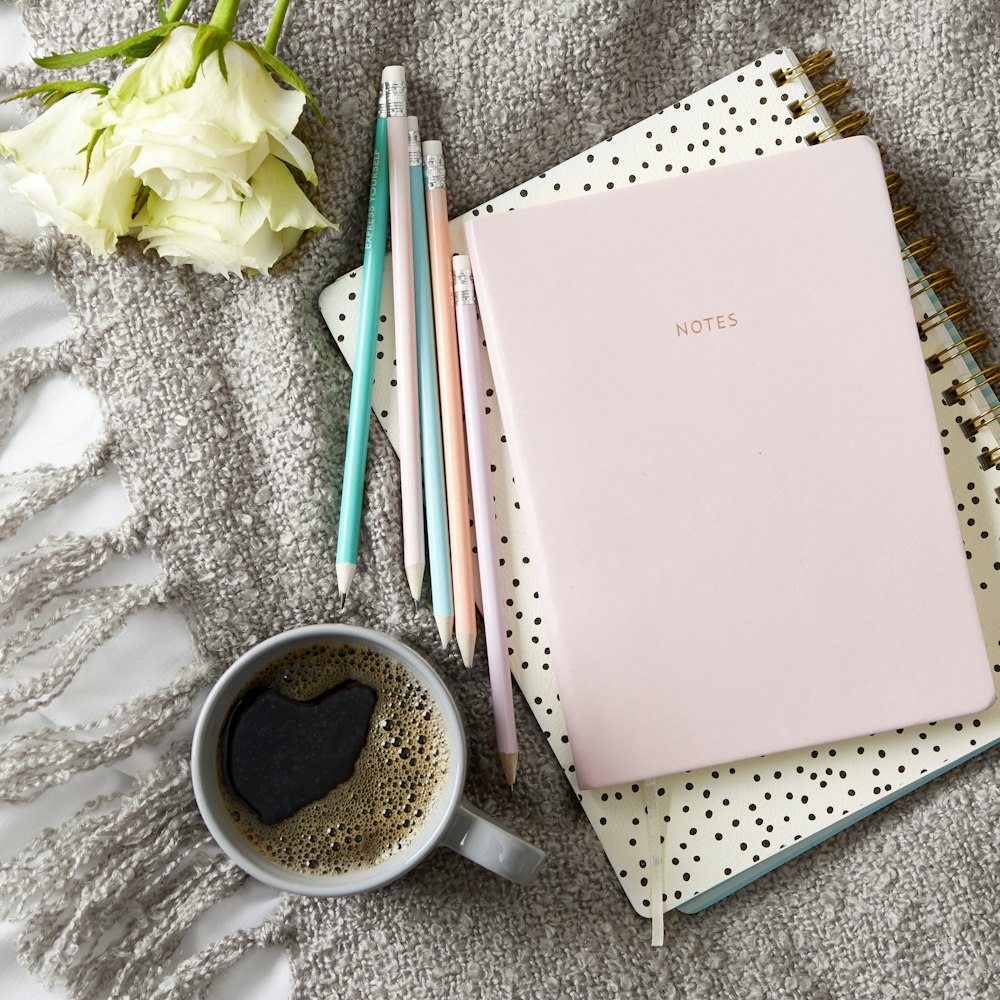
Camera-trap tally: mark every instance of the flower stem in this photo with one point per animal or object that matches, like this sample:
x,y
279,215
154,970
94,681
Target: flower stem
x,y
224,16
274,30
176,10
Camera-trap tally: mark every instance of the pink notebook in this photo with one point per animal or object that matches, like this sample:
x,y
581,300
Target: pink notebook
x,y
733,476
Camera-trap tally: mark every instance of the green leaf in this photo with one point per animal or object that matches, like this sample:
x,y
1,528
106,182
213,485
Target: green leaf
x,y
135,47
283,72
161,12
222,66
55,90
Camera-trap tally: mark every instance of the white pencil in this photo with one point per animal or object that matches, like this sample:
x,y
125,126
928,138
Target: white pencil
x,y
404,309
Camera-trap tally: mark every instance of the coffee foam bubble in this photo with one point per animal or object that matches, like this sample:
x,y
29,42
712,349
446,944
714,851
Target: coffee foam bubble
x,y
399,778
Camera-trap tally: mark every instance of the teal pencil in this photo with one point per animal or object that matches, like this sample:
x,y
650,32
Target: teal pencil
x,y
435,504
359,418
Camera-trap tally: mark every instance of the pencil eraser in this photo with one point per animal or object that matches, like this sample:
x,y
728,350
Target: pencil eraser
x,y
461,262
412,124
394,74
433,147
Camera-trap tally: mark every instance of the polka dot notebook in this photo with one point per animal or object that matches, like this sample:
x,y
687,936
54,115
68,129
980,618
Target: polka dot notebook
x,y
690,839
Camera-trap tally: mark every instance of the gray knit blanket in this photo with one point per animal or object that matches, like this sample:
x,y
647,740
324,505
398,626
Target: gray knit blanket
x,y
225,408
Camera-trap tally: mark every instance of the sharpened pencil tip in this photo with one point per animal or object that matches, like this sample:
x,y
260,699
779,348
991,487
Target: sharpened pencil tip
x,y
416,604
345,574
446,625
466,646
508,764
415,580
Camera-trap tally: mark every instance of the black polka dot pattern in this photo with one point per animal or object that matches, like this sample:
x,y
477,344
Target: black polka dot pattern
x,y
718,822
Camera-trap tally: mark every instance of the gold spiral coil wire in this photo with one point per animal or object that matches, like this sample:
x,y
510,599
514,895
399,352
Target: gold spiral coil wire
x,y
850,124
932,281
905,216
829,95
893,182
818,62
919,248
990,459
954,312
974,425
962,388
967,345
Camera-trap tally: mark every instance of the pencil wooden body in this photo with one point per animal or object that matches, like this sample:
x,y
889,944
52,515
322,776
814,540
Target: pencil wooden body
x,y
452,426
485,516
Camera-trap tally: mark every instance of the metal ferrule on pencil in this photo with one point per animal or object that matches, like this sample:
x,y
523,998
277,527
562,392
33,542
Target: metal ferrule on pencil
x,y
382,110
394,95
416,155
465,288
434,176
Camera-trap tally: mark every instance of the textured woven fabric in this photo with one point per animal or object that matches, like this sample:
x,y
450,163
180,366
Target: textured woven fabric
x,y
225,408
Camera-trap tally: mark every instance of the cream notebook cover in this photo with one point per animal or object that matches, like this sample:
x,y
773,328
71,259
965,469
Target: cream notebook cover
x,y
715,829
711,604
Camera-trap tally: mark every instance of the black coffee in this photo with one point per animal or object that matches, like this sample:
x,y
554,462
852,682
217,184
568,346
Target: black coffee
x,y
331,758
279,754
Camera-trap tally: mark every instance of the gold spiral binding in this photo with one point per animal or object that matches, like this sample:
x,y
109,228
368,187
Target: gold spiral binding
x,y
920,248
905,216
849,124
915,250
933,281
829,96
967,345
974,425
989,459
958,310
812,66
970,383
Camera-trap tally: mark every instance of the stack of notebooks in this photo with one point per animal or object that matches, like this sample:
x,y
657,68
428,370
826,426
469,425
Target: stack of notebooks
x,y
771,557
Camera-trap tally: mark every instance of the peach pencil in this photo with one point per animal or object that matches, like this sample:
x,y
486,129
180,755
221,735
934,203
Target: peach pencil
x,y
450,387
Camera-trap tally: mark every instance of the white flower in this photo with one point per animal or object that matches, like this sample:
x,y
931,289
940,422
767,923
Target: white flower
x,y
191,149
49,169
205,140
227,237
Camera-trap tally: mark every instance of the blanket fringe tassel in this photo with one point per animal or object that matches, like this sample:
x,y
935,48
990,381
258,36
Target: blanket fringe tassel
x,y
106,898
55,485
105,620
59,562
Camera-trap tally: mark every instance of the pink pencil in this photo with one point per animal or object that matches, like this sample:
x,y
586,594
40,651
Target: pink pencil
x,y
408,405
482,505
450,382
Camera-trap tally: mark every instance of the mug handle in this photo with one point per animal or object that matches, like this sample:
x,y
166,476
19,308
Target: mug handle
x,y
483,840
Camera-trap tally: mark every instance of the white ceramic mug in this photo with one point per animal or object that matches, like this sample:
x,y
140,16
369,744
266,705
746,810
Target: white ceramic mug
x,y
452,823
